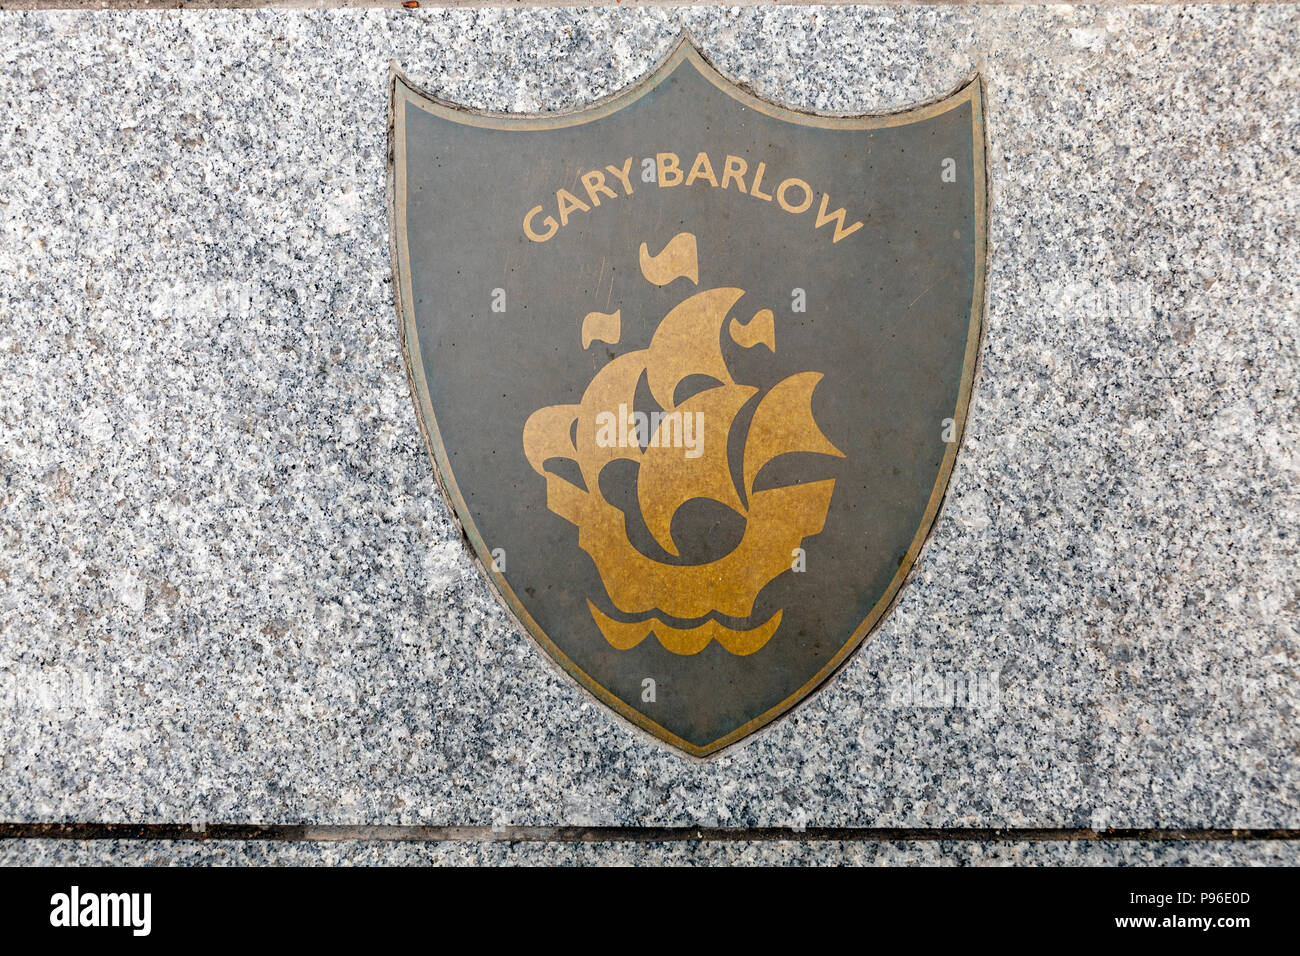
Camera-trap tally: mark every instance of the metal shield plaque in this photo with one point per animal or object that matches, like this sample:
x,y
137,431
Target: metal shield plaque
x,y
693,370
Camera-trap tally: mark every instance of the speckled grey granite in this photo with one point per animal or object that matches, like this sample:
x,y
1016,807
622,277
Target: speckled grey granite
x,y
230,591
941,853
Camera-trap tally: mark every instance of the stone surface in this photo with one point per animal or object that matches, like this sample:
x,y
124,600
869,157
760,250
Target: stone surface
x,y
230,591
773,853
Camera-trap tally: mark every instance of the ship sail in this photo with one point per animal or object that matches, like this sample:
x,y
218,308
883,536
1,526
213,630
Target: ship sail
x,y
668,478
784,423
613,388
689,342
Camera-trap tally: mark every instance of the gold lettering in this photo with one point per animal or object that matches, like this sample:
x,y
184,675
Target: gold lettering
x,y
532,233
540,227
668,165
702,169
838,217
807,195
594,182
623,175
734,168
569,203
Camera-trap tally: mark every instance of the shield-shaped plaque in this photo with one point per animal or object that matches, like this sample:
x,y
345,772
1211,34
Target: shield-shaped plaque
x,y
693,369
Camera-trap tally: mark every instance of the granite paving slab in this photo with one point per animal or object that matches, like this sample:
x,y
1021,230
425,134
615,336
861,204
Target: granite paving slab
x,y
230,591
740,853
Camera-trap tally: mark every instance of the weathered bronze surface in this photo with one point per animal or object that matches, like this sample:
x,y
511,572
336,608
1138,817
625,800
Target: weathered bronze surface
x,y
693,370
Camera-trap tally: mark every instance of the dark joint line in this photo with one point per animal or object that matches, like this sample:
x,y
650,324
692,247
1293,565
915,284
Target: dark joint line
x,y
338,833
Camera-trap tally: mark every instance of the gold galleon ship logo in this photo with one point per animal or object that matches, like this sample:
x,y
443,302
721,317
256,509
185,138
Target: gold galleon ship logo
x,y
681,453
